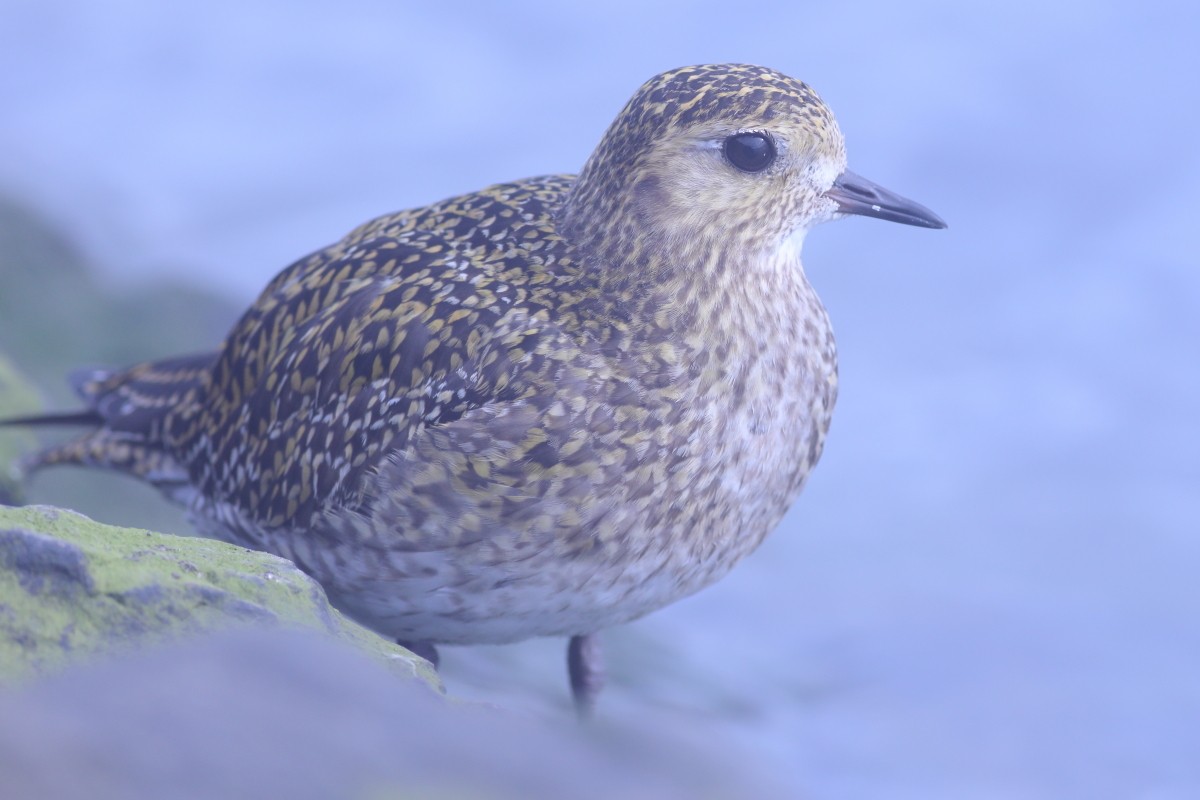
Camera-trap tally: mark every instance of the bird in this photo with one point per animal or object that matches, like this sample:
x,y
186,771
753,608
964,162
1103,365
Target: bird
x,y
544,408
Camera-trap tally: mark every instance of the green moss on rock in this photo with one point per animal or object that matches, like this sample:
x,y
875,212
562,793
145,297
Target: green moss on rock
x,y
72,589
17,397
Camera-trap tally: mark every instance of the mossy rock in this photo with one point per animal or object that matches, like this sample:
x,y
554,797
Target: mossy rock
x,y
72,589
17,397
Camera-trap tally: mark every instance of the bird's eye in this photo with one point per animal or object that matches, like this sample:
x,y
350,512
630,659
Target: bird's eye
x,y
750,152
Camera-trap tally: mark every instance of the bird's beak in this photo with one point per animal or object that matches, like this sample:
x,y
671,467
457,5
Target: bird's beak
x,y
855,194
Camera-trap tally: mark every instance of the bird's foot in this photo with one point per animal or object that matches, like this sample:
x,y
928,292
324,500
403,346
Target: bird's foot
x,y
585,665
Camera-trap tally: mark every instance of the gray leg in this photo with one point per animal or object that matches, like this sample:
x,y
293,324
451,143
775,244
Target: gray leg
x,y
585,665
425,650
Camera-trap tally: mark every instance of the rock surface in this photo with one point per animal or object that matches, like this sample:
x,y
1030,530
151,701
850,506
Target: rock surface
x,y
72,589
16,397
275,713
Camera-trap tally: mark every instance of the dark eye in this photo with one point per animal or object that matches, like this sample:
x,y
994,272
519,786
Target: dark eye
x,y
750,152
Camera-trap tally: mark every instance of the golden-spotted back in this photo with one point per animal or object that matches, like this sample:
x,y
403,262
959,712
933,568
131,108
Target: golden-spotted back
x,y
348,353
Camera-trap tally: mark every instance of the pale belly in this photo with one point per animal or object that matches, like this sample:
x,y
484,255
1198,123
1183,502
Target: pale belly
x,y
749,468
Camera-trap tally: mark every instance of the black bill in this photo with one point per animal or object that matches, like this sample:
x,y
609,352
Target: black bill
x,y
855,194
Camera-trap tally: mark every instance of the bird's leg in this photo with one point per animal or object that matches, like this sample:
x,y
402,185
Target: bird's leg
x,y
585,665
425,650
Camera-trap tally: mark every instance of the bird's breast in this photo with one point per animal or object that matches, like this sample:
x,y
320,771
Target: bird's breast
x,y
746,423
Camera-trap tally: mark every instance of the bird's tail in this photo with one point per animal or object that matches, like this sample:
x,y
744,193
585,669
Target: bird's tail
x,y
127,411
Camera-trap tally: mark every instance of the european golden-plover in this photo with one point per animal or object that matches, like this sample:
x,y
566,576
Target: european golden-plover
x,y
540,409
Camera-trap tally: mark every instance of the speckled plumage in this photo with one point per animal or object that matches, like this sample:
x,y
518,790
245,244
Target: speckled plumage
x,y
543,408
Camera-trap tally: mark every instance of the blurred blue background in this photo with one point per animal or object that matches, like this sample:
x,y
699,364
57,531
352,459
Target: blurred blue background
x,y
990,586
